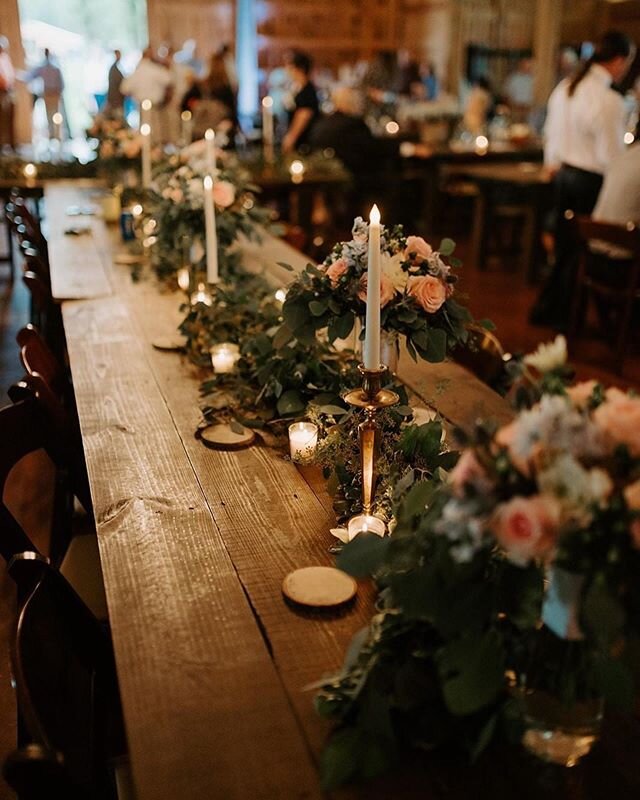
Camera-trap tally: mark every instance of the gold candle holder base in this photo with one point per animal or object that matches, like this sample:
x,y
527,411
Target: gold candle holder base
x,y
372,398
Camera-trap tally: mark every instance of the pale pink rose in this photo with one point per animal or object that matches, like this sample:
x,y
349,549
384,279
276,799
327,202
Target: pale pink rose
x,y
336,270
177,195
417,246
224,193
387,290
505,437
527,527
468,471
428,291
581,392
131,148
619,419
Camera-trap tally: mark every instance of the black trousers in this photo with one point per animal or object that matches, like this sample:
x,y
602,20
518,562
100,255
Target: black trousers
x,y
575,189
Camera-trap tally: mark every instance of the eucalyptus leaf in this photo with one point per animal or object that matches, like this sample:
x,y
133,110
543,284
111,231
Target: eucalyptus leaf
x,y
290,403
363,555
447,246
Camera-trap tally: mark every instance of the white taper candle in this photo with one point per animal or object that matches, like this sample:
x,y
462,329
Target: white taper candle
x,y
145,132
211,236
372,325
210,139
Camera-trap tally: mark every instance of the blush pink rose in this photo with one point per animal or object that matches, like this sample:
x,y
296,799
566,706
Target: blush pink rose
x,y
224,193
416,246
505,437
468,471
527,527
428,291
632,499
336,270
619,419
387,290
581,392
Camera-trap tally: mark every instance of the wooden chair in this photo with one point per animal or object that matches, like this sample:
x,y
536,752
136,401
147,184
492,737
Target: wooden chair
x,y
66,682
609,268
483,355
34,772
23,430
38,358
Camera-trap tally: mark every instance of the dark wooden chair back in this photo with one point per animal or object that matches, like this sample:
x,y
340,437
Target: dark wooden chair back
x,y
34,773
483,355
609,266
65,676
27,218
21,433
37,358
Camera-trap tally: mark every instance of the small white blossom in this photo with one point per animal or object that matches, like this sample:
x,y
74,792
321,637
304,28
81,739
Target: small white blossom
x,y
548,356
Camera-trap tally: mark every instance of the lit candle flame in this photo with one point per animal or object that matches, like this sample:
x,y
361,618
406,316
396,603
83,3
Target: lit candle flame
x,y
208,183
145,129
185,116
209,135
267,102
374,216
146,105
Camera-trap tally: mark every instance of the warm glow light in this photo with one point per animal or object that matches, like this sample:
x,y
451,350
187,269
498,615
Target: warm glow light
x,y
296,168
185,116
224,356
184,278
392,128
267,102
281,295
208,183
482,142
136,210
629,138
145,129
201,296
209,135
57,118
365,523
30,170
146,105
374,216
303,440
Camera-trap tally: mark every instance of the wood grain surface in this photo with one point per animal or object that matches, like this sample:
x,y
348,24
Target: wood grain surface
x,y
213,662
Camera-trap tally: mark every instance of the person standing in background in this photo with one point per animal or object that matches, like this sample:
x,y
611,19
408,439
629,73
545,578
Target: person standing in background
x,y
115,97
7,84
52,87
518,89
305,108
150,81
584,133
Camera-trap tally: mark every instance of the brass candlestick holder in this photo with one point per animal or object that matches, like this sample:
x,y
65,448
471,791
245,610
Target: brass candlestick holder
x,y
371,398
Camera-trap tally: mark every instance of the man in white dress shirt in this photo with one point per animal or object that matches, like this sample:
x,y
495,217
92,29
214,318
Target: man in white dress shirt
x,y
584,133
150,81
619,198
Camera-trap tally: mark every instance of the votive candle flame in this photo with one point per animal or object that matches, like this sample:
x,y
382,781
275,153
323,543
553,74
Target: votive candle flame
x,y
303,440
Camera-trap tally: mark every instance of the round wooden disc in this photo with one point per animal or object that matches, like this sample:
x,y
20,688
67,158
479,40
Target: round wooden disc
x,y
127,258
320,587
223,437
171,342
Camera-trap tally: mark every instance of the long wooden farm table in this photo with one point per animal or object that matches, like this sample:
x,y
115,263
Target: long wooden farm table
x,y
195,543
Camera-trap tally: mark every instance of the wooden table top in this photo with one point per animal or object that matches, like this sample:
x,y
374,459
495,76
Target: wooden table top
x,y
213,664
522,173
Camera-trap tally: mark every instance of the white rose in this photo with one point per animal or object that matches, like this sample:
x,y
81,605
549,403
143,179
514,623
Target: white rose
x,y
391,267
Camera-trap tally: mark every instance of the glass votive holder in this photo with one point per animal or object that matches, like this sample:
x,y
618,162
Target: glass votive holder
x,y
224,357
201,295
365,523
303,440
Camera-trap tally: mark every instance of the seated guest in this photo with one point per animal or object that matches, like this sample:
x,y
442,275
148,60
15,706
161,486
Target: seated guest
x,y
304,108
478,106
212,100
429,80
619,198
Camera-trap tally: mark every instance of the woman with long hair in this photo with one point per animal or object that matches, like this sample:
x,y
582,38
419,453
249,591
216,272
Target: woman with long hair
x,y
584,132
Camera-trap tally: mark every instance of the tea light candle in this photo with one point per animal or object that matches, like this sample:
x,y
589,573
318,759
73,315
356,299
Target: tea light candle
x,y
224,356
365,523
303,439
145,132
201,295
30,171
184,278
297,171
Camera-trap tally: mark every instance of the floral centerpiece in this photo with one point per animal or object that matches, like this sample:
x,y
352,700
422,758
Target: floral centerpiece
x,y
117,146
176,202
417,287
511,594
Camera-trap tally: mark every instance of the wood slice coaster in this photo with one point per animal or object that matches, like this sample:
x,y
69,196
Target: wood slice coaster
x,y
127,258
171,342
320,587
222,437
